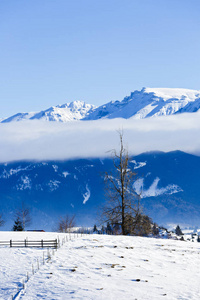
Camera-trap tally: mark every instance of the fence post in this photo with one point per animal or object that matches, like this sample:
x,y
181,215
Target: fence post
x,y
42,243
32,269
10,243
25,242
48,254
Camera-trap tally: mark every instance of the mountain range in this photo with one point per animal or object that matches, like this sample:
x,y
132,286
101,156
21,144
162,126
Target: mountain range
x,y
167,182
149,102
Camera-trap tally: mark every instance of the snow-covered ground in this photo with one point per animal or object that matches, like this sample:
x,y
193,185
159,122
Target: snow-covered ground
x,y
102,267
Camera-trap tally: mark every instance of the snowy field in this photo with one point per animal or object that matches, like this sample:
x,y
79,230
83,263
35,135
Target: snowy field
x,y
100,267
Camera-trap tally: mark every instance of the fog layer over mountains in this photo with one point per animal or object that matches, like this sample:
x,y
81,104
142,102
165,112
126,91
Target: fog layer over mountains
x,y
152,119
38,140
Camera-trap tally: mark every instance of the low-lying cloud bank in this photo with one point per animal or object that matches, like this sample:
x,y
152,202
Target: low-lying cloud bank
x,y
39,140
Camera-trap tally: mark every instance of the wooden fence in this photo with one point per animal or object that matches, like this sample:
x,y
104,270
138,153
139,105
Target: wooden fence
x,y
29,243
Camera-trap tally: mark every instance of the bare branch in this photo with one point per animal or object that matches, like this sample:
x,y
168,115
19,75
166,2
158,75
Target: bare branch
x,y
66,223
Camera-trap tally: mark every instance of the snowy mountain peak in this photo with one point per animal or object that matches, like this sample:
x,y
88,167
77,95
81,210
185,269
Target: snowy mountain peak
x,y
173,93
76,110
76,105
149,102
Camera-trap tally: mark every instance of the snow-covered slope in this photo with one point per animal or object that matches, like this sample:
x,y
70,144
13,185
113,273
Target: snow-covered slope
x,y
61,113
99,267
150,102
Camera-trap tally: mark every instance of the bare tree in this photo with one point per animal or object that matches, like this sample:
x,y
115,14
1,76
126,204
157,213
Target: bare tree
x,y
66,223
122,207
1,221
23,215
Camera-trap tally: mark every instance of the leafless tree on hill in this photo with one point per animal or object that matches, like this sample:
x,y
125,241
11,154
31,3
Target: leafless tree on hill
x,y
122,207
66,223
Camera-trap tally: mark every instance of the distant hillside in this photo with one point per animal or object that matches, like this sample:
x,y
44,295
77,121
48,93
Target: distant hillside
x,y
168,183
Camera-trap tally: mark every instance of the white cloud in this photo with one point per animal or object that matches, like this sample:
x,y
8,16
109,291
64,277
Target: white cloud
x,y
39,140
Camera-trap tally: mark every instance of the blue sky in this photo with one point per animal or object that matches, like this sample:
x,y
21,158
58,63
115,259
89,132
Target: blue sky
x,y
57,51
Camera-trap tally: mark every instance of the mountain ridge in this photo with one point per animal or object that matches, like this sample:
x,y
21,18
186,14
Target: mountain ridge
x,y
75,110
149,102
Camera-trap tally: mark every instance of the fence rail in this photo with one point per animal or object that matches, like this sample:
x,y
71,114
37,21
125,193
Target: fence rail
x,y
29,243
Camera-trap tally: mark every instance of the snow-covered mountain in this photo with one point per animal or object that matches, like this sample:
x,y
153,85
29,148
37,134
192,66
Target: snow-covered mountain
x,y
149,102
61,113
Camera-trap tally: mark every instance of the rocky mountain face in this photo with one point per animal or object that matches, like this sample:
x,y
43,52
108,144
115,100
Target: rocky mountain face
x,y
149,102
168,184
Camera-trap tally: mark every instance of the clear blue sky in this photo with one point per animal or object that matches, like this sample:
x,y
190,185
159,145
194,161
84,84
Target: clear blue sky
x,y
57,51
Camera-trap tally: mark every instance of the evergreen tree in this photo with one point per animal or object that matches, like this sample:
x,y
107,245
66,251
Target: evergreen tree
x,y
23,214
18,225
178,230
95,228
